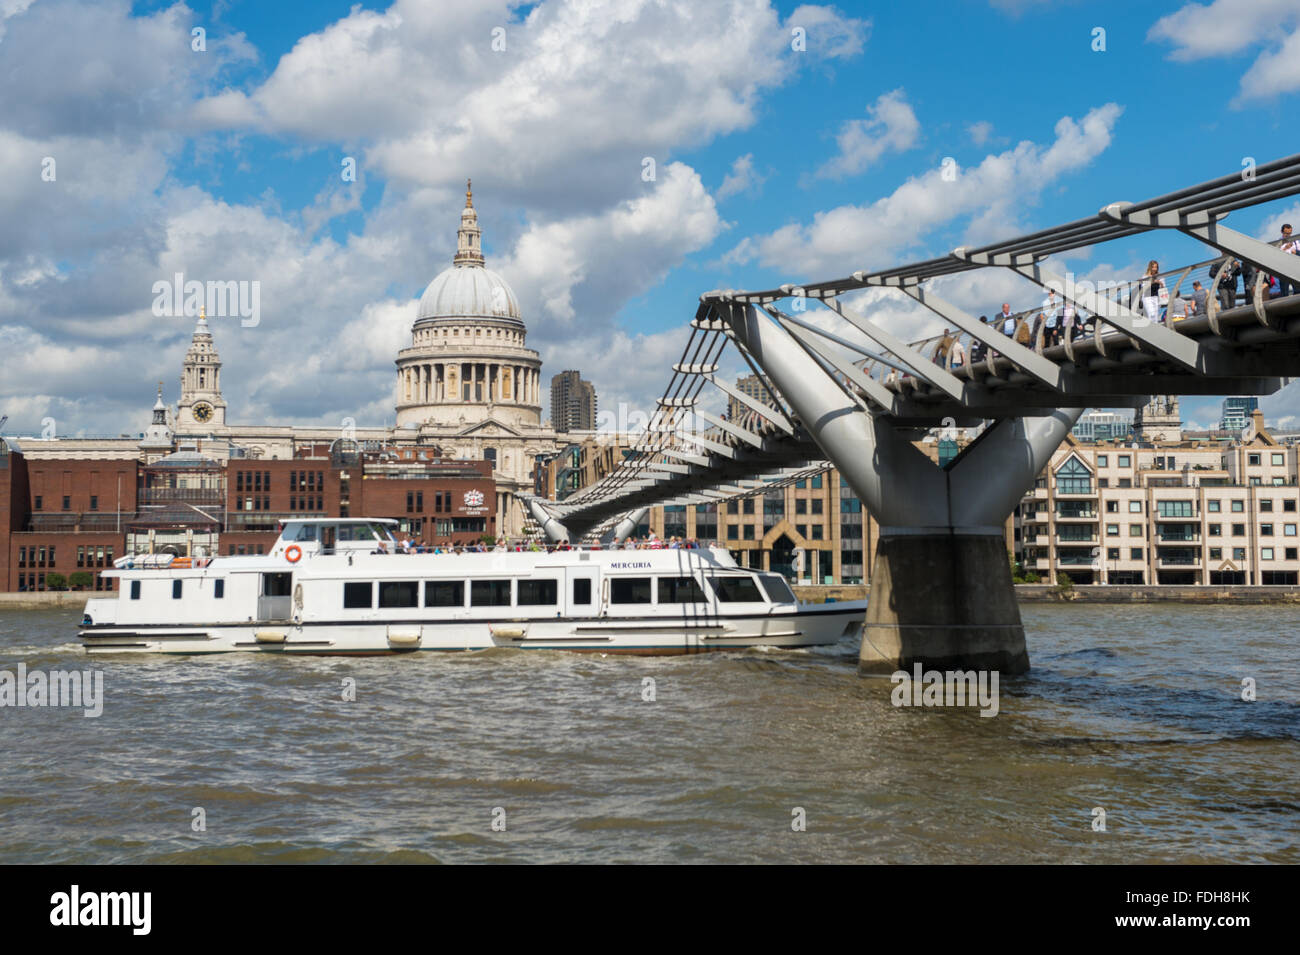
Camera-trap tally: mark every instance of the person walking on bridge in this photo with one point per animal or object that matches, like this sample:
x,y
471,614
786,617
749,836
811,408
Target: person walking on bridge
x,y
1289,245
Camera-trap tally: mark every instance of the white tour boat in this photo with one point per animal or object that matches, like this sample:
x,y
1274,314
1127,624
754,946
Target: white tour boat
x,y
345,586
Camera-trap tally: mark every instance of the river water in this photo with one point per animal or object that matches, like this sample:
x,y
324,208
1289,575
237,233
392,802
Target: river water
x,y
1133,710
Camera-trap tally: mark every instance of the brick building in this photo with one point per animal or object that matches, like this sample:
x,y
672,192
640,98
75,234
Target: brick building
x,y
69,515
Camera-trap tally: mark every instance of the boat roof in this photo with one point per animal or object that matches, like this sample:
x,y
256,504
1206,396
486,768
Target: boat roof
x,y
339,520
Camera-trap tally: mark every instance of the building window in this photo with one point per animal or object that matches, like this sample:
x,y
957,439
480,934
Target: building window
x,y
1290,553
1112,530
800,505
1174,508
1216,553
36,505
1101,460
1288,530
1112,553
1135,553
1073,478
1213,507
1124,460
1112,507
1135,530
1252,460
1238,507
94,502
1215,530
1239,553
67,503
1288,505
1265,530
1266,553
1266,505
1238,530
1278,459
1135,507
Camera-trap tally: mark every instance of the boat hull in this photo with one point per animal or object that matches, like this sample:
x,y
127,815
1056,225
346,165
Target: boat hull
x,y
804,626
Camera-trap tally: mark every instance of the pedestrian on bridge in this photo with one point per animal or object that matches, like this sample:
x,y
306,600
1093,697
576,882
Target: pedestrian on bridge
x,y
1290,245
1050,318
1231,271
977,348
1007,320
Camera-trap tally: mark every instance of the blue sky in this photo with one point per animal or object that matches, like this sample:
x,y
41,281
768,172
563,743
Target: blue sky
x,y
772,165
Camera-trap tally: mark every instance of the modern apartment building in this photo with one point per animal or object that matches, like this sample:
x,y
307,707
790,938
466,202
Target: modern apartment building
x,y
1174,513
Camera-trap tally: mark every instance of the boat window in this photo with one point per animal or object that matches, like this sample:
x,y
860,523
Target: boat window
x,y
398,593
307,532
489,593
629,590
358,594
176,589
582,590
444,593
538,592
135,590
680,590
778,591
219,588
737,589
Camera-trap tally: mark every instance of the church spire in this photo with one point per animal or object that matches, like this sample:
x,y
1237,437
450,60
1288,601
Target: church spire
x,y
469,240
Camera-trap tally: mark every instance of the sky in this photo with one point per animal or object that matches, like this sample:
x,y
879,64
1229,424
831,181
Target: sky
x,y
626,156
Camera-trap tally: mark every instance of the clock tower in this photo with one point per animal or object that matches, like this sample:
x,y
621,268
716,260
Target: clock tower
x,y
201,406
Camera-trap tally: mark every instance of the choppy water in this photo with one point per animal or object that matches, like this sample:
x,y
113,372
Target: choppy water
x,y
1135,710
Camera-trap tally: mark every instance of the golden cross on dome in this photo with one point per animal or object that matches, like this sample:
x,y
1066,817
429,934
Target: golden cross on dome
x,y
469,195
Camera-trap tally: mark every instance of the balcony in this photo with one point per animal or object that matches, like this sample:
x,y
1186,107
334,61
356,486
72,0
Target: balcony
x,y
1073,514
1171,537
1177,563
1074,539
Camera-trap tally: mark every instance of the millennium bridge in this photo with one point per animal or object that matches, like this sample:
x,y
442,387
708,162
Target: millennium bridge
x,y
842,390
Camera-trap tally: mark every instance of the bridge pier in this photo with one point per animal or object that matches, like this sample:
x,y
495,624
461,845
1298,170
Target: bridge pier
x,y
941,591
945,601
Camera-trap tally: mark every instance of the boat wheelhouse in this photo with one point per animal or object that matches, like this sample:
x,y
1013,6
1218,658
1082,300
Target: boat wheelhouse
x,y
347,586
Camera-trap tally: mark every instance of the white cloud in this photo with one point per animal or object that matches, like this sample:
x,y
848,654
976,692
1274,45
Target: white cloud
x,y
891,126
980,132
742,178
567,111
989,196
1227,27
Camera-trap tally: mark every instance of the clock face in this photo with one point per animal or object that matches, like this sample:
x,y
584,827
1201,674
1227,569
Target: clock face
x,y
202,411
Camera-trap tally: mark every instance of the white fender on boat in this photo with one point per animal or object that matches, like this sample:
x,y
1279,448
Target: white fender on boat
x,y
269,636
513,631
404,638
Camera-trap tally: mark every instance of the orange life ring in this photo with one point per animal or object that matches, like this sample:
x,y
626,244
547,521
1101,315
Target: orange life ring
x,y
293,553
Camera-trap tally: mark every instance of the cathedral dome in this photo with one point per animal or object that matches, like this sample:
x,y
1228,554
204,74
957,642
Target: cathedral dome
x,y
468,291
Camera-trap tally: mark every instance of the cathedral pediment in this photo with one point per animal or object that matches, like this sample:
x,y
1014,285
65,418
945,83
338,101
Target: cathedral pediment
x,y
491,428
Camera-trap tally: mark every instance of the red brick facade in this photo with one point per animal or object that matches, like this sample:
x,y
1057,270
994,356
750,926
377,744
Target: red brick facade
x,y
65,516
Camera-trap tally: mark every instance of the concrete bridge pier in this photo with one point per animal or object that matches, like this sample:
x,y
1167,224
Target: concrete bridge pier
x,y
941,591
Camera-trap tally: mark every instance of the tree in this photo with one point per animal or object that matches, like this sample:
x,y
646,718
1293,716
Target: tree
x,y
55,581
1064,582
81,579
